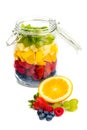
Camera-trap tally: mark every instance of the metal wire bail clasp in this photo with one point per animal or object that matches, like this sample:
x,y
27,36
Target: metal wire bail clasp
x,y
67,36
12,39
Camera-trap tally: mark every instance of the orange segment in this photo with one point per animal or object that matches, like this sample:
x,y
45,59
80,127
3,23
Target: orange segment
x,y
55,89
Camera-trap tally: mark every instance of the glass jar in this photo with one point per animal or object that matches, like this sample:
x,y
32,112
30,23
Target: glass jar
x,y
35,53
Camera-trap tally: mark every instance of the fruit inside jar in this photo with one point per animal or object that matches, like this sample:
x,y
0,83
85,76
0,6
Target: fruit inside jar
x,y
35,55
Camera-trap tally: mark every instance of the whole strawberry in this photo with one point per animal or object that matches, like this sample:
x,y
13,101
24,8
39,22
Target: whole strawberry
x,y
41,102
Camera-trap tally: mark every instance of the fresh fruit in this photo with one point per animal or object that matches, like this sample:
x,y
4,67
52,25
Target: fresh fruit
x,y
48,111
36,72
41,103
36,106
38,40
40,111
47,69
48,108
30,71
49,117
55,89
66,105
73,108
39,71
53,66
21,70
74,101
45,115
58,104
41,116
58,111
71,105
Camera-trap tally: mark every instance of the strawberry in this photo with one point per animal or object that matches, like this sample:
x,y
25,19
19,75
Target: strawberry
x,y
39,71
58,111
41,102
35,106
48,108
47,70
30,71
35,77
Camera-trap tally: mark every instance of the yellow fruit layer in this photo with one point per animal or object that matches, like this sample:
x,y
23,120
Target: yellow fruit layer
x,y
33,55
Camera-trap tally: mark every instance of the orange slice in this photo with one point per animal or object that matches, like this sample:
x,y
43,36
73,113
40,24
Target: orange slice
x,y
55,89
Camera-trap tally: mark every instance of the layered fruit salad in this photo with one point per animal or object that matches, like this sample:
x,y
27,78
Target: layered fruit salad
x,y
35,55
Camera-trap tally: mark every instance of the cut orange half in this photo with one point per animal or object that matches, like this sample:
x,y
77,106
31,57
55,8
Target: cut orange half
x,y
55,89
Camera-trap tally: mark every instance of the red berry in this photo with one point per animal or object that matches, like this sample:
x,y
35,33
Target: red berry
x,y
48,108
20,70
35,77
58,111
47,69
41,102
36,106
53,66
16,64
31,71
39,69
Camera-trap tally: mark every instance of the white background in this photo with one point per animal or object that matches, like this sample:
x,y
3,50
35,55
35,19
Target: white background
x,y
14,111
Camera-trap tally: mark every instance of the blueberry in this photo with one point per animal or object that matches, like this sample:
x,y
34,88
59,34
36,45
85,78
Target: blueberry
x,y
40,111
46,112
21,76
53,73
41,116
49,117
52,113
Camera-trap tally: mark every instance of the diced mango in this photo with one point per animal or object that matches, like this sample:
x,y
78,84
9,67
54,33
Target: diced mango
x,y
54,57
48,58
39,56
30,59
54,48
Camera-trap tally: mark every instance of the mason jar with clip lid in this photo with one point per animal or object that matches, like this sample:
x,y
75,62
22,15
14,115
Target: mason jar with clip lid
x,y
36,49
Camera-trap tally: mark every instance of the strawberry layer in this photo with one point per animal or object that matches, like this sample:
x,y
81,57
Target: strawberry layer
x,y
36,72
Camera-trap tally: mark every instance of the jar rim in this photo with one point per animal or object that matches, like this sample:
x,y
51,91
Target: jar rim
x,y
40,22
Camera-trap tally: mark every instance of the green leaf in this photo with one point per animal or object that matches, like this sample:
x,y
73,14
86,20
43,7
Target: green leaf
x,y
36,95
31,101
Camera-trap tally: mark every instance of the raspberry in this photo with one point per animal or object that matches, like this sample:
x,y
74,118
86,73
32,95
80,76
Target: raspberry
x,y
16,64
25,65
58,111
20,70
